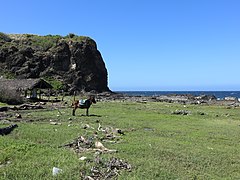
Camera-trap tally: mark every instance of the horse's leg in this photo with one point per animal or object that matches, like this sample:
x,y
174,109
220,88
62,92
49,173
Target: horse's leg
x,y
73,112
87,112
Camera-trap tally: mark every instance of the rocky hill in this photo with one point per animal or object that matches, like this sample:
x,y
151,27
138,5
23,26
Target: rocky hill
x,y
72,61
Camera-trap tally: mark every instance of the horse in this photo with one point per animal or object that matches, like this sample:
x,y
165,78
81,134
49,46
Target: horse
x,y
83,104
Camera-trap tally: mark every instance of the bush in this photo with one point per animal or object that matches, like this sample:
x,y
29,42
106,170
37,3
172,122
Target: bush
x,y
10,96
7,74
71,35
57,85
5,37
44,42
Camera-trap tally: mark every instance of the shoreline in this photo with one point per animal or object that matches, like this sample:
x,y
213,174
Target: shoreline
x,y
218,94
170,98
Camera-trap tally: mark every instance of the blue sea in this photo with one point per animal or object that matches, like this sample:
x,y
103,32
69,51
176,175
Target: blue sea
x,y
217,94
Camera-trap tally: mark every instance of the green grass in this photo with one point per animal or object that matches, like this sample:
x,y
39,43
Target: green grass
x,y
3,104
43,43
158,144
57,85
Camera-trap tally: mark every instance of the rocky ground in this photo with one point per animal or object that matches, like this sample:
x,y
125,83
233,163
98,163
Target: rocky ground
x,y
109,96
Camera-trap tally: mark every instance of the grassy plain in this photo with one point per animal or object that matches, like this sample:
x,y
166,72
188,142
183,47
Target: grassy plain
x,y
158,144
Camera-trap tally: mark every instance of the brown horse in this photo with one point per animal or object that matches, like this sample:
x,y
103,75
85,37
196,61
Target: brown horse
x,y
83,105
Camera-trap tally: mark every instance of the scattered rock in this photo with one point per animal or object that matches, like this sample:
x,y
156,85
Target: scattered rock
x,y
86,126
55,123
148,129
82,158
19,116
201,113
5,122
119,131
181,112
56,171
4,108
5,164
7,130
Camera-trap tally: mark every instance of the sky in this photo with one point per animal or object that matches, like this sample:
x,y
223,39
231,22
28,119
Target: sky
x,y
154,45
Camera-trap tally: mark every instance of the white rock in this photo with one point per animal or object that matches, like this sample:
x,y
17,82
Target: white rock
x,y
56,171
82,158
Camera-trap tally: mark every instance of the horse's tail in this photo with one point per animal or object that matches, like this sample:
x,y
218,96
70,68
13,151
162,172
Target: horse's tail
x,y
74,99
74,94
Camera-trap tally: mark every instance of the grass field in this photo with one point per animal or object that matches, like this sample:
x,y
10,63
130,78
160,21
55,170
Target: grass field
x,y
204,144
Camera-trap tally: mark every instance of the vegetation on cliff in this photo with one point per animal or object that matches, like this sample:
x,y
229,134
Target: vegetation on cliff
x,y
39,42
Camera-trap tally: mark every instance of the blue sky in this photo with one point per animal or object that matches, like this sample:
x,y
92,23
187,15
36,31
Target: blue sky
x,y
145,44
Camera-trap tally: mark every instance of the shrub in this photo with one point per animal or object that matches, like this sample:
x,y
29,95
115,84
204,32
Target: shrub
x,y
7,74
10,96
71,35
5,37
44,42
57,85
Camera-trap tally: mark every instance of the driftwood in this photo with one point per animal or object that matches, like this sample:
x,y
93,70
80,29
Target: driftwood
x,y
108,170
82,144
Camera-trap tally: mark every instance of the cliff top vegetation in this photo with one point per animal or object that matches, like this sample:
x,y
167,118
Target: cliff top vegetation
x,y
40,42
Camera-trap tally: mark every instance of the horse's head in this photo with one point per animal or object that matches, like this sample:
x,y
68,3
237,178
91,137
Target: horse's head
x,y
92,99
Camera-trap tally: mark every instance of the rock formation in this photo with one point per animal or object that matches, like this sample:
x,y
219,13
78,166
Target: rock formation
x,y
72,60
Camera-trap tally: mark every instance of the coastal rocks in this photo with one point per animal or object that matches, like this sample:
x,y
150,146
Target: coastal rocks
x,y
171,98
206,97
186,98
231,99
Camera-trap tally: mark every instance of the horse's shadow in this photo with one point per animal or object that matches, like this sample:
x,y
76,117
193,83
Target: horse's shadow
x,y
91,115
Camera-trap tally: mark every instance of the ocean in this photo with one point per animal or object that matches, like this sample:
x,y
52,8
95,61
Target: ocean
x,y
217,94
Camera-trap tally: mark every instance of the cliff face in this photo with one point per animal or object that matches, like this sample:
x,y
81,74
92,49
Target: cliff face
x,y
73,60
